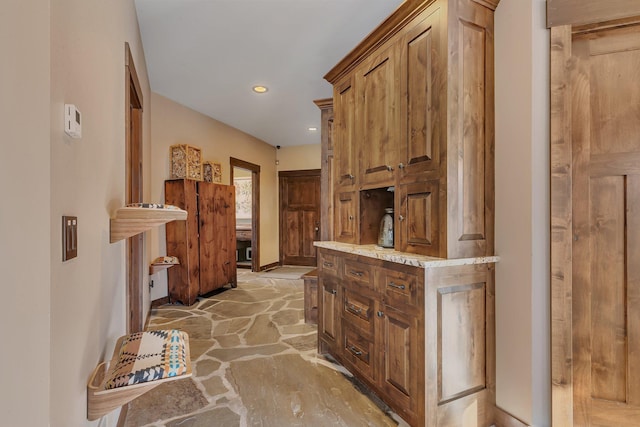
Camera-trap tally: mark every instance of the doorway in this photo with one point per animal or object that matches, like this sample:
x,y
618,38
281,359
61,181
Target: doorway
x,y
245,177
133,161
299,216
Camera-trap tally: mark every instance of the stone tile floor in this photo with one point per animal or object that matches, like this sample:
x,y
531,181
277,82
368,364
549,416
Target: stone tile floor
x,y
255,364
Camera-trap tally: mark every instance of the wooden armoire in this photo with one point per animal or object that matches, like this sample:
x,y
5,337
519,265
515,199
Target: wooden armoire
x,y
205,243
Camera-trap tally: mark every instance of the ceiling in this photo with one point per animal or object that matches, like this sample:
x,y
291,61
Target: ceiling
x,y
208,54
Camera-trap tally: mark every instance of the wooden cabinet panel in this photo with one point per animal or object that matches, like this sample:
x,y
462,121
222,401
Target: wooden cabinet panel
x,y
328,263
470,134
358,273
401,289
461,320
424,97
344,97
358,311
377,110
359,352
182,242
402,367
346,219
418,221
329,323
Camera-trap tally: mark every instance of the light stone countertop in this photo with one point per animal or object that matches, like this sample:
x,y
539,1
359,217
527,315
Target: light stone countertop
x,y
375,251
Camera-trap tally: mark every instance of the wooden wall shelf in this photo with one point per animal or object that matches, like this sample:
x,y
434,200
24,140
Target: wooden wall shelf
x,y
130,221
154,268
101,401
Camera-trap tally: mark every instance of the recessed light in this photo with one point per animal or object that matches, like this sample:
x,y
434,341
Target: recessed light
x,y
260,89
312,129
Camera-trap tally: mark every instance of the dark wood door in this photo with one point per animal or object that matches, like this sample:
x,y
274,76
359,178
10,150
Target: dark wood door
x,y
299,216
606,228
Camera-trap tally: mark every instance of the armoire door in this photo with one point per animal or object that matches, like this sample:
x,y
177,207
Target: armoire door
x,y
605,136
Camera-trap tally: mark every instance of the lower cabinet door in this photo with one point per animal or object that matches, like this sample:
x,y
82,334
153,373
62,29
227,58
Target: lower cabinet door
x,y
402,364
329,296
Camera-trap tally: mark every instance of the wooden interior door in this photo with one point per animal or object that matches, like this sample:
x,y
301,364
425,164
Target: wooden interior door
x,y
606,217
299,216
597,295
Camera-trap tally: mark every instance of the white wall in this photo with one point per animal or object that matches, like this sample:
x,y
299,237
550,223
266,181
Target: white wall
x,y
522,210
24,212
88,293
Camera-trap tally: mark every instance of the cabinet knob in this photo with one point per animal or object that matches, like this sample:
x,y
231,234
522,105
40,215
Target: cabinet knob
x,y
400,218
380,313
333,291
350,176
350,217
401,166
389,168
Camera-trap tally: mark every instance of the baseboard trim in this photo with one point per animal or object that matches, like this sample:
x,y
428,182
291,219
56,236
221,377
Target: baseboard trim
x,y
160,301
269,266
504,419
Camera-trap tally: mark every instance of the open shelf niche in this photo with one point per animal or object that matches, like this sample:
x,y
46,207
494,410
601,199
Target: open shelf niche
x,y
132,220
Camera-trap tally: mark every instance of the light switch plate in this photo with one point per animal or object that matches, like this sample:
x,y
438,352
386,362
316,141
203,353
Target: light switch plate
x,y
69,237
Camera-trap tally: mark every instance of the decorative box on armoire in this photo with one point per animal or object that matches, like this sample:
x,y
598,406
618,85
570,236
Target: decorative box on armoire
x,y
205,243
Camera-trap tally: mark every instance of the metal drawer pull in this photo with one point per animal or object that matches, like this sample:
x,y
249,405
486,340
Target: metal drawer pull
x,y
327,264
356,273
393,285
389,168
352,308
355,351
380,314
333,291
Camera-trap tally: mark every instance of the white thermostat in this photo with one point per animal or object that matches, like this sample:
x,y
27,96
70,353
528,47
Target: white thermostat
x,y
72,123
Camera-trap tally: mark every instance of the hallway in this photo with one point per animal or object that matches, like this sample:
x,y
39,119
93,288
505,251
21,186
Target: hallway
x,y
255,364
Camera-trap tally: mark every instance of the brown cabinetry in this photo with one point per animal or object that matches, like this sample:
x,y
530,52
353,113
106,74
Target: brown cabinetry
x,y
420,337
205,243
422,114
371,320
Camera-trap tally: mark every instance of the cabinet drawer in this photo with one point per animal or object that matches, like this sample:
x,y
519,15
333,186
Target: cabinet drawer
x,y
358,272
399,288
328,263
359,353
358,311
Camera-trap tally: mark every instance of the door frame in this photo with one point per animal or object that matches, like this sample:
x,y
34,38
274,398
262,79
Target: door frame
x,y
564,24
255,206
294,174
134,191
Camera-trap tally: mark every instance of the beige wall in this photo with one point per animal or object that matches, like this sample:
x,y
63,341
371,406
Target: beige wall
x,y
24,213
88,297
173,123
522,210
299,157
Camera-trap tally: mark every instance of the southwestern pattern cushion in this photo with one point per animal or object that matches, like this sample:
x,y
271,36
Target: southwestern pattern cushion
x,y
148,356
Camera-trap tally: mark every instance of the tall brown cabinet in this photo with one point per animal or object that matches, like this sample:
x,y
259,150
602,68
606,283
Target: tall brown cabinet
x,y
205,243
413,131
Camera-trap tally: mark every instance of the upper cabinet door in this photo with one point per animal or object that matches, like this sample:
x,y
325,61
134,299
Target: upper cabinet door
x,y
378,109
422,81
344,99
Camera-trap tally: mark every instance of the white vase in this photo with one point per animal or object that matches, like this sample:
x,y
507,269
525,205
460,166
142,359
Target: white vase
x,y
385,236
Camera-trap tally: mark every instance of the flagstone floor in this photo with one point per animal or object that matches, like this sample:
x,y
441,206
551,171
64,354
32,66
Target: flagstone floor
x,y
255,364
